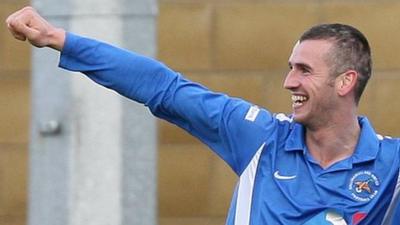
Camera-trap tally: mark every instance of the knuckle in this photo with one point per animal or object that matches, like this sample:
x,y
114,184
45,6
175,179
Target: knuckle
x,y
27,11
28,8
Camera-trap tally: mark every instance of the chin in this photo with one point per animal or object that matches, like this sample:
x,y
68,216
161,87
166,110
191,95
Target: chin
x,y
299,119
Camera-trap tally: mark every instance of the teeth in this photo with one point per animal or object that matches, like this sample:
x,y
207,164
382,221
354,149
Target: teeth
x,y
297,104
298,98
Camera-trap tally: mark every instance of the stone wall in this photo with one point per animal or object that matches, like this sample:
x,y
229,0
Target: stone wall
x,y
241,48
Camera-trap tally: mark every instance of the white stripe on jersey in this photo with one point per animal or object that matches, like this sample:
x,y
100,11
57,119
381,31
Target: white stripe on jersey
x,y
245,190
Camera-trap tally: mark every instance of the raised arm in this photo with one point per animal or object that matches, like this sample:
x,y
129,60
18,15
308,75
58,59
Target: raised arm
x,y
27,24
227,125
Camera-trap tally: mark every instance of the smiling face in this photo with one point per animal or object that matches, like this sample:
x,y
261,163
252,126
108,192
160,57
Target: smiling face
x,y
314,98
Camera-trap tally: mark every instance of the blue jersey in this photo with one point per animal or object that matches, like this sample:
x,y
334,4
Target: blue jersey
x,y
279,181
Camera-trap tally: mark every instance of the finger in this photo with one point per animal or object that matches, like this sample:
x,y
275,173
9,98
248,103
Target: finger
x,y
19,24
11,22
23,16
15,31
20,37
13,16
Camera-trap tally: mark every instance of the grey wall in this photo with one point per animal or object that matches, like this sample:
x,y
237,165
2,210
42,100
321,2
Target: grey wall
x,y
99,166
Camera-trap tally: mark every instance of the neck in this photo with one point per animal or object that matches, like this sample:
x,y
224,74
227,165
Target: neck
x,y
333,142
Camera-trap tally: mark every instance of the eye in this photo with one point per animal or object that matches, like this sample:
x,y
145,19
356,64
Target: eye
x,y
305,70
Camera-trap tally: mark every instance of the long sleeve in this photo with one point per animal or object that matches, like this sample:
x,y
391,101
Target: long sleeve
x,y
134,76
214,118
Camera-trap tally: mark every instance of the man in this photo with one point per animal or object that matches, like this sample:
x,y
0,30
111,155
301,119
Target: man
x,y
322,165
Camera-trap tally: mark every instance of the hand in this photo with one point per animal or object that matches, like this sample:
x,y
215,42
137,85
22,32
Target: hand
x,y
27,24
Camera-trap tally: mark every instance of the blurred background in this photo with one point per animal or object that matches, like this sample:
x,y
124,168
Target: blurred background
x,y
237,47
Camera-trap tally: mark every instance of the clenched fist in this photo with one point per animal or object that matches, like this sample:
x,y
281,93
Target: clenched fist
x,y
27,24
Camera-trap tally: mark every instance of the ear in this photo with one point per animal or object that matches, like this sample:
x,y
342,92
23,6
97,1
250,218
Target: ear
x,y
346,82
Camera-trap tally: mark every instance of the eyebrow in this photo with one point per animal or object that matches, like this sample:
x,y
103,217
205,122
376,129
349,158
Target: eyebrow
x,y
301,65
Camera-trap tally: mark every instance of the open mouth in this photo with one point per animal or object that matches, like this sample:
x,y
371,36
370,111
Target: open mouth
x,y
298,100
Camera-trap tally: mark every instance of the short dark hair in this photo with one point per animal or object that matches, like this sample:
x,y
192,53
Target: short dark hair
x,y
351,51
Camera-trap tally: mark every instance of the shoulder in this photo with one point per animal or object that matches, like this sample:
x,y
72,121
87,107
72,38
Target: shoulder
x,y
388,142
242,113
389,149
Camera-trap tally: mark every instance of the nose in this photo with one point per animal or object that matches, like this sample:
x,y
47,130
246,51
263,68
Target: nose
x,y
291,82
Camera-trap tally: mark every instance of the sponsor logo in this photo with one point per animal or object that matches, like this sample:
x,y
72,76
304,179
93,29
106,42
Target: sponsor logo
x,y
364,186
281,177
252,113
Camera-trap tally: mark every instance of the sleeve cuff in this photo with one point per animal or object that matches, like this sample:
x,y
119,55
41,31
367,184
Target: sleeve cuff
x,y
70,42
